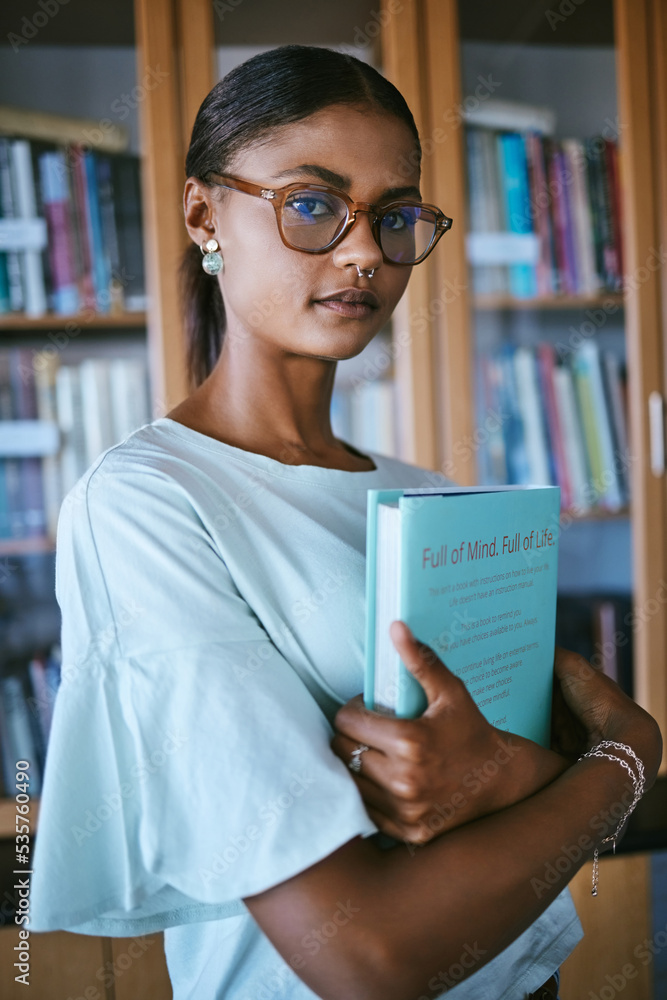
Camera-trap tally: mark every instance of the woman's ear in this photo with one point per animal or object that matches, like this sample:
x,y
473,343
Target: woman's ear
x,y
198,211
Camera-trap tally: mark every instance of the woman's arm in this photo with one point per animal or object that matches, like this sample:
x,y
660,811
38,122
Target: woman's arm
x,y
401,916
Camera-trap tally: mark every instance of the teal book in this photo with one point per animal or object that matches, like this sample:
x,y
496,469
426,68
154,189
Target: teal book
x,y
472,572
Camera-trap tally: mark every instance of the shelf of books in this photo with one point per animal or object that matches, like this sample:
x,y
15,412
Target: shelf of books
x,y
73,382
545,233
545,261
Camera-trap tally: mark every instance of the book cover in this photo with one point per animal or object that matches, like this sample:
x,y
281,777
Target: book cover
x,y
473,573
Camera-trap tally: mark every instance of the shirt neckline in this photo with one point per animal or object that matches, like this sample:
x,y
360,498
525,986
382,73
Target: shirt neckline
x,y
305,473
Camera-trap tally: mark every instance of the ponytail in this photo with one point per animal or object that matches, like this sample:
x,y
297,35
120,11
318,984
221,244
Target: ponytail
x,y
263,94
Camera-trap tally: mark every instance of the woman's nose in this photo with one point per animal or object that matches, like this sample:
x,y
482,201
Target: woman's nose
x,y
359,247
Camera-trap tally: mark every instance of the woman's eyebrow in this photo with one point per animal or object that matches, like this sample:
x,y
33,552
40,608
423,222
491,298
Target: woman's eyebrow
x,y
344,183
328,176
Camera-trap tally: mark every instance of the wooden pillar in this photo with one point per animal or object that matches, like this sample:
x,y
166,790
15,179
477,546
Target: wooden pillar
x,y
643,140
420,55
174,53
449,283
402,62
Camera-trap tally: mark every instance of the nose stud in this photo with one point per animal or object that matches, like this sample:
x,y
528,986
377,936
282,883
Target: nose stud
x,y
361,271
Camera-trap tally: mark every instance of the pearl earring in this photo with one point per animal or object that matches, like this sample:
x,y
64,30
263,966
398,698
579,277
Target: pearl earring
x,y
212,262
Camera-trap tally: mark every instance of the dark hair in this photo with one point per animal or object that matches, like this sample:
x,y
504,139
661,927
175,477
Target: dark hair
x,y
273,89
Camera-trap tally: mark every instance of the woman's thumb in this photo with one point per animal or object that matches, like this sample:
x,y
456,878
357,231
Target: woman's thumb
x,y
420,659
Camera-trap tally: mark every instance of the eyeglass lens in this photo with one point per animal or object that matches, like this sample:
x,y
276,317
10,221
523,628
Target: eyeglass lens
x,y
313,219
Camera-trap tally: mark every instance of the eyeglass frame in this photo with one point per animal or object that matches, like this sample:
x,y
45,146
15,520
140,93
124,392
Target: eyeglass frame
x,y
278,196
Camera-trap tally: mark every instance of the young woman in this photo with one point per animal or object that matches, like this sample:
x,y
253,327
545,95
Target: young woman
x,y
211,578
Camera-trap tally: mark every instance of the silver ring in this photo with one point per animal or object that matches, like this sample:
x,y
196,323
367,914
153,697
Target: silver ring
x,y
361,271
355,758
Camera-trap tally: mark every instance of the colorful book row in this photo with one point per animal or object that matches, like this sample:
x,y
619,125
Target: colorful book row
x,y
92,406
27,697
548,420
91,205
565,193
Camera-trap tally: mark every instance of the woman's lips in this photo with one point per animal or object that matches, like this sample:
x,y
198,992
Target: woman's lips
x,y
355,303
353,310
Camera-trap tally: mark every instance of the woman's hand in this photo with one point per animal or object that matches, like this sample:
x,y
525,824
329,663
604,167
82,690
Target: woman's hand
x,y
589,707
423,776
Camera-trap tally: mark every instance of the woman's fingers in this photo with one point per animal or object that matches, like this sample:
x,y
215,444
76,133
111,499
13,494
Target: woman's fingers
x,y
605,711
424,664
383,732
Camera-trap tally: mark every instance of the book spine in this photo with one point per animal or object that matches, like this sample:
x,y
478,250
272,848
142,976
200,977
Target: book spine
x,y
587,283
19,736
614,386
99,257
518,467
546,366
611,162
491,417
558,218
31,261
24,407
609,486
533,419
127,210
573,441
83,229
109,231
523,282
567,208
54,195
96,407
45,385
7,196
539,199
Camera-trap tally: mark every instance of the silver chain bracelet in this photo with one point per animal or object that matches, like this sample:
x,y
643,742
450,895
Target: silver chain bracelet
x,y
638,790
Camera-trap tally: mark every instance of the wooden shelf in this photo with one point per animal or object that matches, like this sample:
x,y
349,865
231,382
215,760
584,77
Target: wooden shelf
x,y
598,514
97,321
8,818
25,546
491,302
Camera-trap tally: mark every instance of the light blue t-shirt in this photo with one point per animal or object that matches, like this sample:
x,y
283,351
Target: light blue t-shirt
x,y
213,623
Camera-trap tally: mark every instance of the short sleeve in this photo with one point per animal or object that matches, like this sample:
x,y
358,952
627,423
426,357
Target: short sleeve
x,y
188,764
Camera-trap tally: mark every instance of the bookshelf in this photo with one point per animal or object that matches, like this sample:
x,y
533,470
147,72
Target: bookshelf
x,y
14,323
424,54
562,302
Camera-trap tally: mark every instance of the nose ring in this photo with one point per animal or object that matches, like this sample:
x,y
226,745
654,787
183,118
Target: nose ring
x,y
361,271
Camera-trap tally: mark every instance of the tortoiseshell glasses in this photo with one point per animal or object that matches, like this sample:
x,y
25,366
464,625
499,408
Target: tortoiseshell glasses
x,y
314,218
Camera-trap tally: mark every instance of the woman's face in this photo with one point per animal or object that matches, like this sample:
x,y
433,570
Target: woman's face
x,y
276,294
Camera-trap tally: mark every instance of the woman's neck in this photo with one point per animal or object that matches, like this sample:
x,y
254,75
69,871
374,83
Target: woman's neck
x,y
277,406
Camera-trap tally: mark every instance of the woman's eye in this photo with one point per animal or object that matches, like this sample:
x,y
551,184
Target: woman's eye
x,y
309,207
398,219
